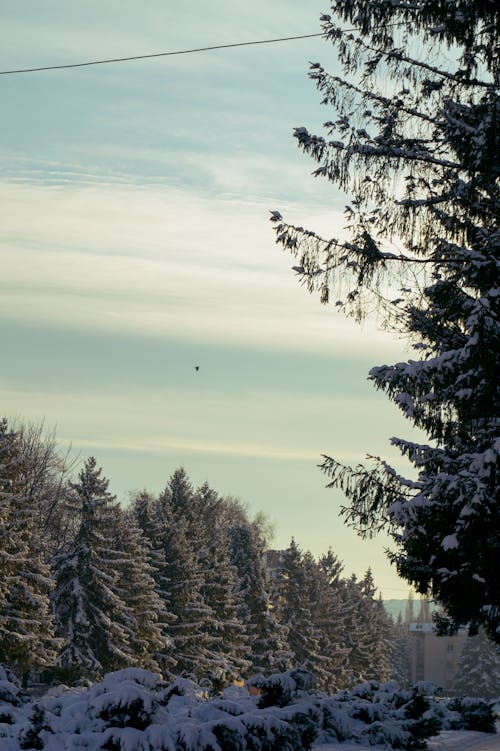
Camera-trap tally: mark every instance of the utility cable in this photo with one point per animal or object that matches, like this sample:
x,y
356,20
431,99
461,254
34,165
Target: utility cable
x,y
157,54
177,52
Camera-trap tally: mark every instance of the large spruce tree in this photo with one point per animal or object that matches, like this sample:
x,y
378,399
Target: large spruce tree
x,y
380,629
267,638
296,603
358,634
197,648
219,588
413,140
478,671
334,617
147,513
147,614
92,617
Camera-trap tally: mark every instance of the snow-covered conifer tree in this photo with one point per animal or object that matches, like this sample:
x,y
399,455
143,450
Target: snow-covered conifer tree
x,y
267,638
219,589
326,657
296,603
146,613
413,139
91,616
195,646
380,629
148,516
357,633
26,625
478,672
400,653
333,618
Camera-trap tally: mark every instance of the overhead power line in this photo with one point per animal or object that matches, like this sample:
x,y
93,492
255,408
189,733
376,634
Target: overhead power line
x,y
178,52
157,54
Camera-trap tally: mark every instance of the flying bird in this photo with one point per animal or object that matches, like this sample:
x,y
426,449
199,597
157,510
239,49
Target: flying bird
x,y
196,367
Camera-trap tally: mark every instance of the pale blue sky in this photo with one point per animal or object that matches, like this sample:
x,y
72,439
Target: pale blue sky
x,y
135,244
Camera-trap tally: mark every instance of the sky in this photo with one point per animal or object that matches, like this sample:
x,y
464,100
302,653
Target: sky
x,y
136,245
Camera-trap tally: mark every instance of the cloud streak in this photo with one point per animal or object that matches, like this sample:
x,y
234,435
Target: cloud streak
x,y
261,423
161,261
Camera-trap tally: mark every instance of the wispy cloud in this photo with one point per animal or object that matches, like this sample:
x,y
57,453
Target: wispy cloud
x,y
126,28
262,423
159,260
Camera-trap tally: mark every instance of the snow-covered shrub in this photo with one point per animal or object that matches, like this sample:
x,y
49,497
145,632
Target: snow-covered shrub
x,y
390,735
336,723
382,714
32,735
127,706
475,714
282,688
134,710
10,687
183,687
11,699
265,731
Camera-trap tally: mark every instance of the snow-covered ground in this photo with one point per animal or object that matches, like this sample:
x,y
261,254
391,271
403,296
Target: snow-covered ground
x,y
448,740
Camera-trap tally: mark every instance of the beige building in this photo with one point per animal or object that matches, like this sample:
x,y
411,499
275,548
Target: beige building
x,y
434,658
273,561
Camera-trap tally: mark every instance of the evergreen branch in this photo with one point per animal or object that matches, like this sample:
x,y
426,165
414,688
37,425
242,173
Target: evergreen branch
x,y
285,237
371,491
325,79
396,54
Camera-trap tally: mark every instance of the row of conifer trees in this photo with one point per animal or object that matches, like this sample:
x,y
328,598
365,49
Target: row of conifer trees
x,y
176,583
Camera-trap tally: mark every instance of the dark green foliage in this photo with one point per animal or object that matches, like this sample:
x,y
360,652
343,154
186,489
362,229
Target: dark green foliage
x,y
145,509
337,629
395,717
188,592
281,736
209,640
193,643
219,589
147,617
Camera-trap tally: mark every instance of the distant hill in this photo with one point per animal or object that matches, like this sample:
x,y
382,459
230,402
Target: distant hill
x,y
395,607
